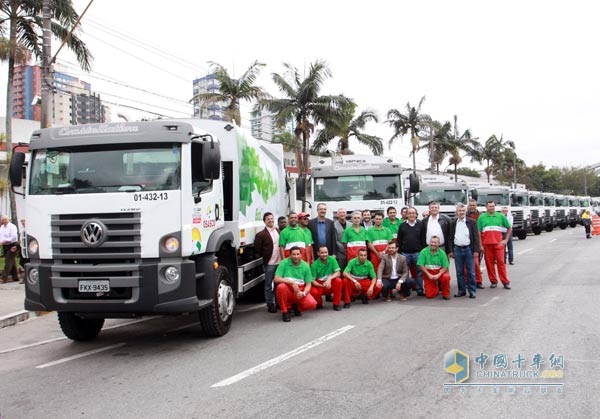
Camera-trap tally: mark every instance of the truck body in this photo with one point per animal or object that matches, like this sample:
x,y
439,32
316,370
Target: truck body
x,y
562,211
140,218
537,212
504,196
549,210
573,212
442,190
356,183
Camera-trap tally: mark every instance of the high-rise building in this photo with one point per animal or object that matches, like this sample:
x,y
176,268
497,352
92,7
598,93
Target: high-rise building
x,y
207,84
74,102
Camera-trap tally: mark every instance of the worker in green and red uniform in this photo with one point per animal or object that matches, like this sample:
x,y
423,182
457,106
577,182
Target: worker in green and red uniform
x,y
293,278
360,280
490,225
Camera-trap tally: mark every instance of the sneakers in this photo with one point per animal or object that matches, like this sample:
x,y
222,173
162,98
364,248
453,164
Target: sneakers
x,y
337,308
494,285
480,286
364,299
286,317
506,286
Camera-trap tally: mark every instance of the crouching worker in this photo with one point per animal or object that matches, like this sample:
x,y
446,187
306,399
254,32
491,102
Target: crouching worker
x,y
393,271
433,262
326,279
293,279
360,280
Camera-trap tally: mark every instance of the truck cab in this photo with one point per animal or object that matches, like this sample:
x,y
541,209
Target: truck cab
x,y
442,190
549,210
536,206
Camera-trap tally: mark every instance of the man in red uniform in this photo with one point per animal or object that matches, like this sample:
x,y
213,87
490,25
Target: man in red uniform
x,y
360,280
490,225
378,238
294,236
433,263
473,214
354,238
293,279
326,279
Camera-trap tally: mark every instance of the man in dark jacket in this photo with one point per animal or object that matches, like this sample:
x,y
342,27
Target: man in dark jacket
x,y
266,245
322,230
464,244
436,224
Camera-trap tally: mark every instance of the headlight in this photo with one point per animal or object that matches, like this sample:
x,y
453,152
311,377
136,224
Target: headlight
x,y
33,247
171,274
171,244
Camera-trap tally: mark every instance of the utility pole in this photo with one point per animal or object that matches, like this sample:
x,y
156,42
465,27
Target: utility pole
x,y
47,68
431,147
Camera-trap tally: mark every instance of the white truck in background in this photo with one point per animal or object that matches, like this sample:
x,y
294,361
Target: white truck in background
x,y
356,182
143,218
443,190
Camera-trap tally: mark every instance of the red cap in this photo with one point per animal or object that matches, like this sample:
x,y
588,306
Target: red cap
x,y
303,214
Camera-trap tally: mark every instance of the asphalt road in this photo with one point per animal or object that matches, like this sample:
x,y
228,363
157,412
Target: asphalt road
x,y
382,360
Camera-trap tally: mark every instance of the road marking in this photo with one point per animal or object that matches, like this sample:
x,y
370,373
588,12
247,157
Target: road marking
x,y
525,251
81,355
491,301
255,307
44,342
281,358
553,240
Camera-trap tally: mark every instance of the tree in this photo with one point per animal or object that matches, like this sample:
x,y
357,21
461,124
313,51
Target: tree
x,y
346,126
303,103
233,91
25,25
490,152
441,133
413,122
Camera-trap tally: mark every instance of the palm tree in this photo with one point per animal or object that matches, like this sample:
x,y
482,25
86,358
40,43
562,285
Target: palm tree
x,y
24,27
303,103
233,91
441,132
413,122
462,142
492,152
346,127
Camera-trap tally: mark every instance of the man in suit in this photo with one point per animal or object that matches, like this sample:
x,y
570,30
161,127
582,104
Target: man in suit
x,y
393,272
323,232
266,245
464,246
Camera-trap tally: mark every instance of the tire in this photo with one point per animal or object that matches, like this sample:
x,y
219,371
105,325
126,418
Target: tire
x,y
77,328
216,318
563,226
549,229
522,235
537,231
573,225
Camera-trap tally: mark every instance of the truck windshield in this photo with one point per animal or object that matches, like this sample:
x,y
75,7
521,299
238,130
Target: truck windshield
x,y
520,200
562,202
536,200
498,198
106,168
441,195
357,188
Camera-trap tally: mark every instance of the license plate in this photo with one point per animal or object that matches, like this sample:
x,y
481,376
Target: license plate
x,y
94,286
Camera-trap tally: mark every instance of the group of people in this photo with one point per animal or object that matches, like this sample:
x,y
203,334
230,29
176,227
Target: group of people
x,y
371,256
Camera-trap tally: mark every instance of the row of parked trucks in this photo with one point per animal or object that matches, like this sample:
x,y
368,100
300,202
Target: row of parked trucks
x,y
159,217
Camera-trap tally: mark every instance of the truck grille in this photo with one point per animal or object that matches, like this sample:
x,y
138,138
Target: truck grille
x,y
116,259
517,219
572,214
547,214
559,215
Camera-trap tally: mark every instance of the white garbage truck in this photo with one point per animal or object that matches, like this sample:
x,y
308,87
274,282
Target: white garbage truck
x,y
143,218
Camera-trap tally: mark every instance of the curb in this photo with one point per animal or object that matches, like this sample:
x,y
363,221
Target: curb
x,y
19,316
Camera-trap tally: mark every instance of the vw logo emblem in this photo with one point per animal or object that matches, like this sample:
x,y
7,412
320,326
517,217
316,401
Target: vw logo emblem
x,y
93,233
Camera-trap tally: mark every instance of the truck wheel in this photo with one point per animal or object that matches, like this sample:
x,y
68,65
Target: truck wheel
x,y
522,235
549,229
77,328
562,226
216,319
537,231
573,225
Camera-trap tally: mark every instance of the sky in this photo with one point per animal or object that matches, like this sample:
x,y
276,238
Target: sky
x,y
524,70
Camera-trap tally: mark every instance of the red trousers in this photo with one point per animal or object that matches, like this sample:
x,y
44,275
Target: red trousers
x,y
336,290
351,291
432,288
494,257
287,297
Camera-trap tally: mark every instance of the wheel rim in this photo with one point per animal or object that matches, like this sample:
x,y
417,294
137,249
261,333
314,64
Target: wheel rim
x,y
226,300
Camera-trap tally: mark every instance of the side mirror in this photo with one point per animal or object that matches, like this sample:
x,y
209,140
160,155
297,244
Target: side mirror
x,y
474,194
413,181
16,169
211,160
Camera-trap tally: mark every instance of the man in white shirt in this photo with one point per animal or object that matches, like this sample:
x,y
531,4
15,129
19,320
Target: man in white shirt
x,y
9,240
465,244
436,224
266,245
509,244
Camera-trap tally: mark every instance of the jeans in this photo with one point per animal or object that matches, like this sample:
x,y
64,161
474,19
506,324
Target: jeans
x,y
412,258
269,276
463,257
509,248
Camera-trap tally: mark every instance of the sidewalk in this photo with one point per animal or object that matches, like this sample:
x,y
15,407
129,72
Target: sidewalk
x,y
12,296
